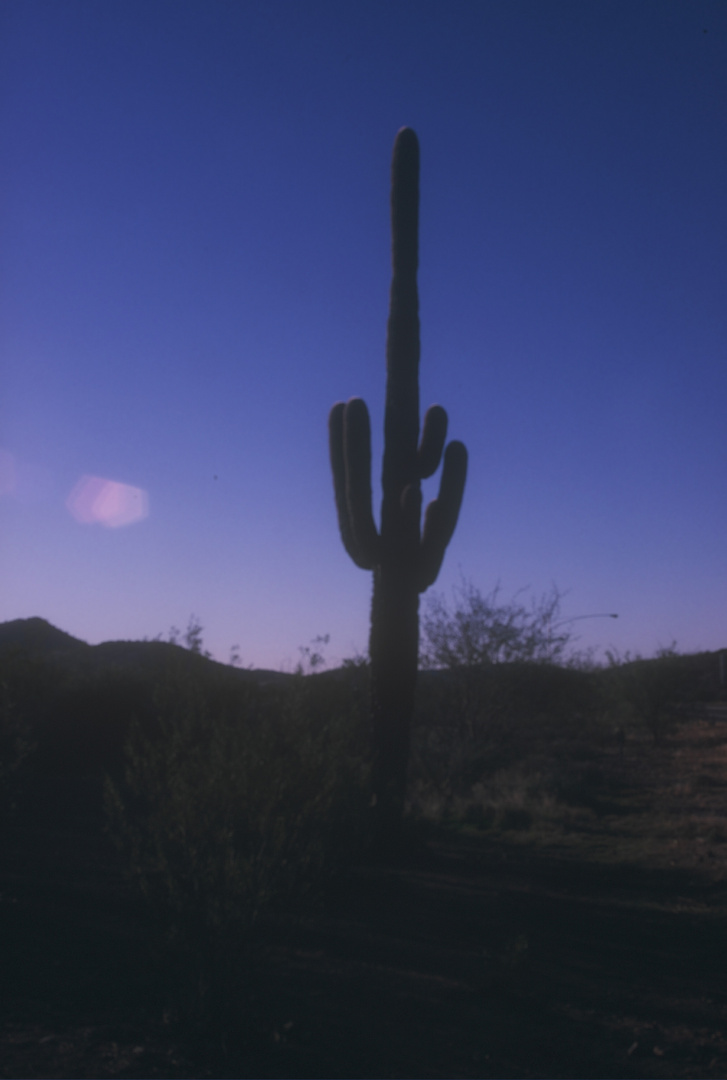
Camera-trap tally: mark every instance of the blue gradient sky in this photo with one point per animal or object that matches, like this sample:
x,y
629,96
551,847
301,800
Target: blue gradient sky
x,y
195,267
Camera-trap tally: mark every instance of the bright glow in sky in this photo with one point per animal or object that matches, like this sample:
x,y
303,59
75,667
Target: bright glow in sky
x,y
195,266
106,502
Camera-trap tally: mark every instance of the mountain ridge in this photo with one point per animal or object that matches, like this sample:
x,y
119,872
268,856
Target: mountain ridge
x,y
39,639
38,635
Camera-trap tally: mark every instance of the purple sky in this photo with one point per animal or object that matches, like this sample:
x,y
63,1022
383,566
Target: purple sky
x,y
195,266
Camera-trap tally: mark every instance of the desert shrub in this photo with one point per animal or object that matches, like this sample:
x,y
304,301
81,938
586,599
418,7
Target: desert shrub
x,y
652,692
471,723
501,691
496,689
481,630
228,814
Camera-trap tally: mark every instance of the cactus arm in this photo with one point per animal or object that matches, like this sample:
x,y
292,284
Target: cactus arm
x,y
441,515
357,453
350,450
338,468
431,445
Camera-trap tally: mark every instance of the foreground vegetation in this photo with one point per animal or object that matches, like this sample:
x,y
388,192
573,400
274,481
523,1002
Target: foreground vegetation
x,y
239,810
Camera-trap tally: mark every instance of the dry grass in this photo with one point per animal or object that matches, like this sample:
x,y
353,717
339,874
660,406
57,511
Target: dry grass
x,y
655,807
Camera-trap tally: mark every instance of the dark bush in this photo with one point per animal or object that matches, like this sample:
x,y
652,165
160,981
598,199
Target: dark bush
x,y
473,722
227,815
656,692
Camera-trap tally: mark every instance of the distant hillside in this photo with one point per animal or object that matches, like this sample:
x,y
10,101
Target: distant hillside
x,y
37,637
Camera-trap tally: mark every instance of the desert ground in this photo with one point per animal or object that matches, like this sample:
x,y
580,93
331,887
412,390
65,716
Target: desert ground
x,y
590,943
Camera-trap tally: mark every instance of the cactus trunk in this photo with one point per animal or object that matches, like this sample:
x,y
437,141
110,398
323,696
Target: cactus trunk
x,y
404,560
393,649
394,640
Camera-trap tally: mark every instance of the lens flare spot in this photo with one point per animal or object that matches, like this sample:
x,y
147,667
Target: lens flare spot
x,y
107,502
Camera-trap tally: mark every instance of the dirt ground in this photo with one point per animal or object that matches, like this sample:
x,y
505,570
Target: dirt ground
x,y
591,945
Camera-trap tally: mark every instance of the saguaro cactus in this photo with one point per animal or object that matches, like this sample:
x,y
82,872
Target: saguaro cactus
x,y
404,558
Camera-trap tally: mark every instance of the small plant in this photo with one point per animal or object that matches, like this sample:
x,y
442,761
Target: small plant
x,y
311,656
191,638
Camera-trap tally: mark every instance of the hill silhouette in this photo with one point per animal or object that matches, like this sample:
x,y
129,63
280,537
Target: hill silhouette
x,y
38,637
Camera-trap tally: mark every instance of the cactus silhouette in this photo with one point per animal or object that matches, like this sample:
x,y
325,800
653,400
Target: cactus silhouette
x,y
404,557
